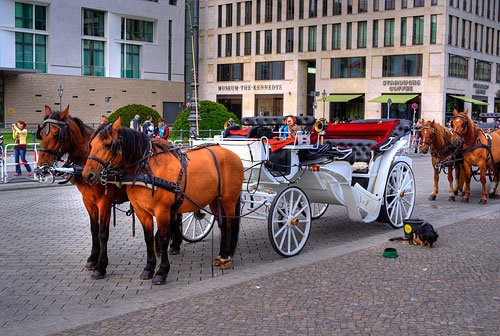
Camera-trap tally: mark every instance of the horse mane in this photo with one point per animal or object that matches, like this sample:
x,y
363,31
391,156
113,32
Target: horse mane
x,y
440,135
84,128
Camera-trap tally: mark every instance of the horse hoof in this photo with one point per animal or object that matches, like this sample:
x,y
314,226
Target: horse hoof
x,y
451,199
482,201
432,197
216,261
456,192
492,195
225,264
90,265
159,279
174,250
97,274
146,275
465,200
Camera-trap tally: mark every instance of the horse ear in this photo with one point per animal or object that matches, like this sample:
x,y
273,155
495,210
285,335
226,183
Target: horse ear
x,y
104,120
455,112
64,114
117,124
432,123
48,111
466,112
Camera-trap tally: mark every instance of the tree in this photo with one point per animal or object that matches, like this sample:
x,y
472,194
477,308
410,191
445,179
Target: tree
x,y
128,112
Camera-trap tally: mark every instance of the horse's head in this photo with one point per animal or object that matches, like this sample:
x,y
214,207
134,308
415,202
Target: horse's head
x,y
105,150
427,134
460,126
55,135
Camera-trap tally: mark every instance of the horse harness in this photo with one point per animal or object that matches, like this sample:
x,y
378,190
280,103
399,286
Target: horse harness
x,y
450,160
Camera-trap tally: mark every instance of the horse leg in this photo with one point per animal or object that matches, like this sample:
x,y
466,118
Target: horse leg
x,y
494,185
482,171
450,180
235,227
147,225
467,177
175,233
435,190
223,259
102,263
94,230
163,223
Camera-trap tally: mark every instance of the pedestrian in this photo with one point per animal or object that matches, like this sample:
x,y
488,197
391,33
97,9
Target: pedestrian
x,y
134,123
162,130
19,133
148,128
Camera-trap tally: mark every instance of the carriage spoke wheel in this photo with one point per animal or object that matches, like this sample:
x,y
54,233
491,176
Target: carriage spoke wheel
x,y
318,210
289,221
197,225
399,195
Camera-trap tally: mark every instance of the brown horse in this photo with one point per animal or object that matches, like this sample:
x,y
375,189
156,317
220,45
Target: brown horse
x,y
438,139
478,149
207,176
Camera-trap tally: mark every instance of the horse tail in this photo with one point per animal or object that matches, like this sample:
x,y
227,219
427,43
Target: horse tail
x,y
235,227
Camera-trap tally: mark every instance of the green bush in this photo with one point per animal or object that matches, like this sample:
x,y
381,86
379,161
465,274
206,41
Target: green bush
x,y
128,113
213,117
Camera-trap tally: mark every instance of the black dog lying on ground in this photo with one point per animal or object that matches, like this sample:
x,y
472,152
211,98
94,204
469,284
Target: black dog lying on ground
x,y
424,235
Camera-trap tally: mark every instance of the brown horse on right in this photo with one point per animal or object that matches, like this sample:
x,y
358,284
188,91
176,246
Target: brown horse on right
x,y
478,149
438,139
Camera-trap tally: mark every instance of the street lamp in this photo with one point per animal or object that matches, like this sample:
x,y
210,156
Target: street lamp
x,y
389,103
323,94
194,117
60,90
106,99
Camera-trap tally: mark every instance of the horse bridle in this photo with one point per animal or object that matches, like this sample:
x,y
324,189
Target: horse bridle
x,y
433,133
63,127
115,147
465,125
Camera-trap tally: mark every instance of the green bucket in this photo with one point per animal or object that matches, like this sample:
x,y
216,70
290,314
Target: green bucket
x,y
390,253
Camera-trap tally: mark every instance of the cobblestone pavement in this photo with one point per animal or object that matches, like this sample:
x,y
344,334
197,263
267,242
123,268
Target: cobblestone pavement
x,y
451,289
46,240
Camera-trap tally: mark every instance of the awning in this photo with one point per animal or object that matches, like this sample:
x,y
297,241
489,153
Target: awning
x,y
396,99
339,98
470,100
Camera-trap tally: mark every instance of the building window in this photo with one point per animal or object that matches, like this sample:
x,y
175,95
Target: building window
x,y
257,43
349,6
353,67
219,19
363,6
349,35
131,61
323,37
403,31
301,39
169,64
230,72
238,14
31,51
482,70
433,29
93,23
389,33
375,5
248,12
337,7
404,3
278,41
419,3
268,14
229,45
238,44
390,4
301,9
402,65
137,30
418,30
375,34
268,41
362,28
229,15
280,5
458,66
289,40
219,45
325,7
313,8
257,16
290,9
498,73
270,70
336,36
248,43
25,18
435,2
170,2
93,58
311,43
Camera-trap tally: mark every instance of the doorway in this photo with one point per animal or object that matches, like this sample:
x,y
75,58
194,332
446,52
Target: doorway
x,y
269,105
232,102
311,86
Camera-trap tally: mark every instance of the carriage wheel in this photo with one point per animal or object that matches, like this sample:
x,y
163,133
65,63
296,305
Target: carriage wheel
x,y
399,195
197,225
289,221
318,210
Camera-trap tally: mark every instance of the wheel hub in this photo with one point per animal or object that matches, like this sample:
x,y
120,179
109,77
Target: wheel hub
x,y
402,194
199,215
294,221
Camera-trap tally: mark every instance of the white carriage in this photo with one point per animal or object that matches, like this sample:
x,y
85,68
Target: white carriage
x,y
358,165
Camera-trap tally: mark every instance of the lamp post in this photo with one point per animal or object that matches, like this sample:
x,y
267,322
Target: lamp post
x,y
60,91
389,102
106,99
193,117
323,94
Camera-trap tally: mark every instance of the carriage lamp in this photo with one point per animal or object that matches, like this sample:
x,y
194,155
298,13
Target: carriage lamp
x,y
60,91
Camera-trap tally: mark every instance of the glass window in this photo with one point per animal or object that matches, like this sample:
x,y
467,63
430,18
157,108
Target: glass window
x,y
238,44
278,41
390,4
418,30
323,37
375,34
31,50
229,15
301,39
313,8
219,20
363,6
402,65
375,5
270,70
389,33
229,45
93,23
482,70
349,6
257,17
349,35
433,28
290,9
248,43
403,31
230,72
404,3
353,67
337,7
130,61
248,12
311,46
362,28
419,3
93,58
24,16
238,14
336,36
40,18
498,73
280,5
268,41
458,66
435,2
325,7
137,30
257,43
268,15
289,40
219,45
301,9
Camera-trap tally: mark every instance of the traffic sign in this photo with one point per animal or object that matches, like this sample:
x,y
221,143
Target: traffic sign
x,y
414,106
